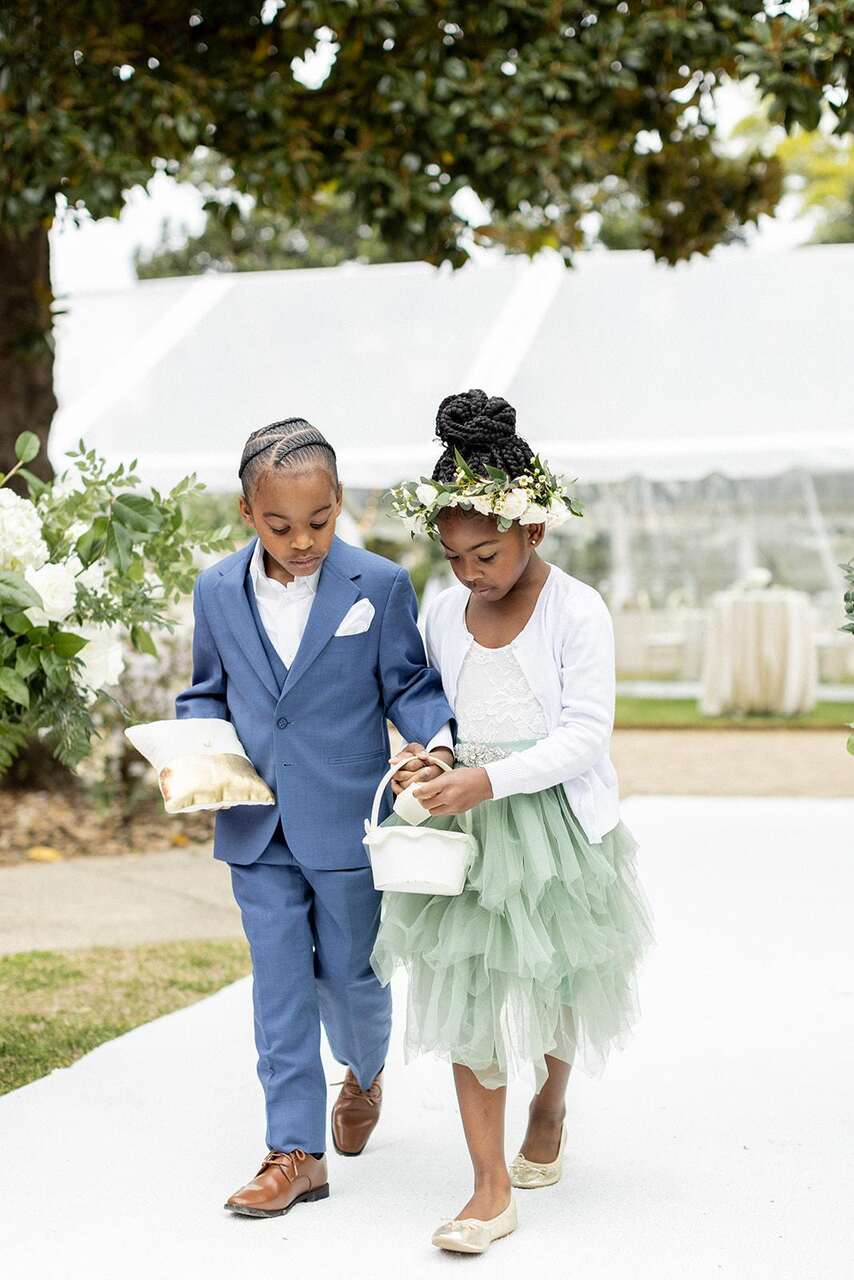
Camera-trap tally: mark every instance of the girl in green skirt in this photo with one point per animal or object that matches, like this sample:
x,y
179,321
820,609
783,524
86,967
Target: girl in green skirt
x,y
535,961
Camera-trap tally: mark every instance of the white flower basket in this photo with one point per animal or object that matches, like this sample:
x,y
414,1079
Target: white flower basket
x,y
416,859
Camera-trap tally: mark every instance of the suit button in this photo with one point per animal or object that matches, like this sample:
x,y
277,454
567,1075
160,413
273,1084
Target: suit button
x,y
282,722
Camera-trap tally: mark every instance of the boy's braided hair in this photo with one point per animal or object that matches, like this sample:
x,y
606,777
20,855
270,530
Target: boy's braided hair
x,y
291,443
483,428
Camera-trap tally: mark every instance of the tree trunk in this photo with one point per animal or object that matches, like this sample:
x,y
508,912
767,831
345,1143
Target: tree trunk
x,y
27,402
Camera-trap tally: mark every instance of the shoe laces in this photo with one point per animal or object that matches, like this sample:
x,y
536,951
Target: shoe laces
x,y
288,1161
351,1088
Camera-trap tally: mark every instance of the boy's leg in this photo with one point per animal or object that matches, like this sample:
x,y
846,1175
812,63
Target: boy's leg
x,y
276,905
354,1006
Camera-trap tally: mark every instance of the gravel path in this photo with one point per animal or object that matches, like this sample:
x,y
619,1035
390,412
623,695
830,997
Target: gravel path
x,y
737,762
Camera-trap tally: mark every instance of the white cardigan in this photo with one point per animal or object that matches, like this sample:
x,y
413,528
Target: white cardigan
x,y
566,651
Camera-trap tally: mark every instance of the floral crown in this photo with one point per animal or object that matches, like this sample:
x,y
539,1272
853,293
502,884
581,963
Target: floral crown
x,y
534,497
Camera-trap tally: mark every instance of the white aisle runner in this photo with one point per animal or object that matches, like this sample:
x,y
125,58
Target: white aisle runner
x,y
718,1144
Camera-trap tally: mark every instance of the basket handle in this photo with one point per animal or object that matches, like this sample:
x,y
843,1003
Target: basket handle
x,y
386,779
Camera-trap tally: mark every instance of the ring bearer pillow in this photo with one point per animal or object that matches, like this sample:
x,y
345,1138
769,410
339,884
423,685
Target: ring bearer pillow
x,y
200,764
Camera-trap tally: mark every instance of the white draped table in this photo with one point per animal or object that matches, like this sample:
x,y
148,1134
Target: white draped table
x,y
760,653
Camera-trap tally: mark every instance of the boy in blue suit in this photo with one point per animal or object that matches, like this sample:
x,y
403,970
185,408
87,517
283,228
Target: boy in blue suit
x,y
308,646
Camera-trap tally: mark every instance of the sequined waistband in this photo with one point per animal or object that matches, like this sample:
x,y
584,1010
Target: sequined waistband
x,y
476,754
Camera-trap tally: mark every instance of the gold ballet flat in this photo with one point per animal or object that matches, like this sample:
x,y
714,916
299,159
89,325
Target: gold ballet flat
x,y
472,1235
529,1174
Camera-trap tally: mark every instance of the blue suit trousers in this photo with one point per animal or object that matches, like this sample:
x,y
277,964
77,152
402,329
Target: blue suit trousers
x,y
310,933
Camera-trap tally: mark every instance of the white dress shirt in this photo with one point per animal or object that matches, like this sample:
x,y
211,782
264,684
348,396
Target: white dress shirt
x,y
284,610
566,651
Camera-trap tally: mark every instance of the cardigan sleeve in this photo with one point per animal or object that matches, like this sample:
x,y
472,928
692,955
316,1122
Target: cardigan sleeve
x,y
588,687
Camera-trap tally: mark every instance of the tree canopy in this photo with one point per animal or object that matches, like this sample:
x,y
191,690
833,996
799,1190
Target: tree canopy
x,y
532,105
542,109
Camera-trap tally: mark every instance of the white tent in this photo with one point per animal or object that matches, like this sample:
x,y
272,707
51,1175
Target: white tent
x,y
739,364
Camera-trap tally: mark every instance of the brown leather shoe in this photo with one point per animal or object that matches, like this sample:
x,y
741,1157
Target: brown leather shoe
x,y
284,1179
355,1114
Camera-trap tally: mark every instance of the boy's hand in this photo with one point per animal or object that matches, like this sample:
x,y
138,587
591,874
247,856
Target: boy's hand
x,y
455,792
419,769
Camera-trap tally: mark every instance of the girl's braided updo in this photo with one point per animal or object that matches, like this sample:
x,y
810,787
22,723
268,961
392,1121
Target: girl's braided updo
x,y
291,443
483,428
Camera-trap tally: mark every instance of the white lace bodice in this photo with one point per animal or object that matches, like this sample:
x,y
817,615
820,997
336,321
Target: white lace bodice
x,y
494,700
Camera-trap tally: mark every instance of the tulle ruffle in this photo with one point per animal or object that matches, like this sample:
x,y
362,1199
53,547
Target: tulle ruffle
x,y
538,955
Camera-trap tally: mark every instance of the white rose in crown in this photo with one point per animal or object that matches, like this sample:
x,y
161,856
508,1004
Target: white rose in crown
x,y
559,512
412,524
426,493
483,503
535,515
512,504
21,543
57,587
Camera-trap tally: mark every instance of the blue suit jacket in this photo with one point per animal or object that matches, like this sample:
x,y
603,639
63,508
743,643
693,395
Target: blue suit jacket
x,y
320,741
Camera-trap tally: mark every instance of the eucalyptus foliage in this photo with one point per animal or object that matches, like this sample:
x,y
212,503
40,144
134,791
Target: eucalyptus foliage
x,y
83,561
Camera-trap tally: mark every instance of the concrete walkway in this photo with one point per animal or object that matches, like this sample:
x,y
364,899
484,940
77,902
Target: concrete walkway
x,y
717,1144
116,901
127,899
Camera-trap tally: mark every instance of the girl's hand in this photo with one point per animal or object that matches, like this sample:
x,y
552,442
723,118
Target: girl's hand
x,y
419,769
455,792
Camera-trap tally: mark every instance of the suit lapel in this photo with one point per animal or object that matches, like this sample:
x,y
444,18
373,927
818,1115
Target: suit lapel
x,y
336,593
234,607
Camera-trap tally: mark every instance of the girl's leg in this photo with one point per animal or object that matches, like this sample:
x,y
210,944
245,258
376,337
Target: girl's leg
x,y
546,1114
482,1112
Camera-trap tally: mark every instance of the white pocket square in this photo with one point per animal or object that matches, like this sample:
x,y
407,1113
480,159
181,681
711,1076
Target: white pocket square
x,y
357,619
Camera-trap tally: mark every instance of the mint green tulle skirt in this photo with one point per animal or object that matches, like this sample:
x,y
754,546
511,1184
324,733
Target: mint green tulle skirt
x,y
539,953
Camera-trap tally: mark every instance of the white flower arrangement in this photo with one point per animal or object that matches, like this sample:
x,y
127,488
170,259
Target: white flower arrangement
x,y
22,546
535,497
88,569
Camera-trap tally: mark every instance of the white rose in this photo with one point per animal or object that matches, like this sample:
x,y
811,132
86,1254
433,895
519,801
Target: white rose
x,y
21,543
102,658
558,512
534,514
56,585
482,502
76,530
412,524
513,504
94,577
426,494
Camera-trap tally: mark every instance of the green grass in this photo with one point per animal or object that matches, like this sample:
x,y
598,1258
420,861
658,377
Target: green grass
x,y
57,1005
683,713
